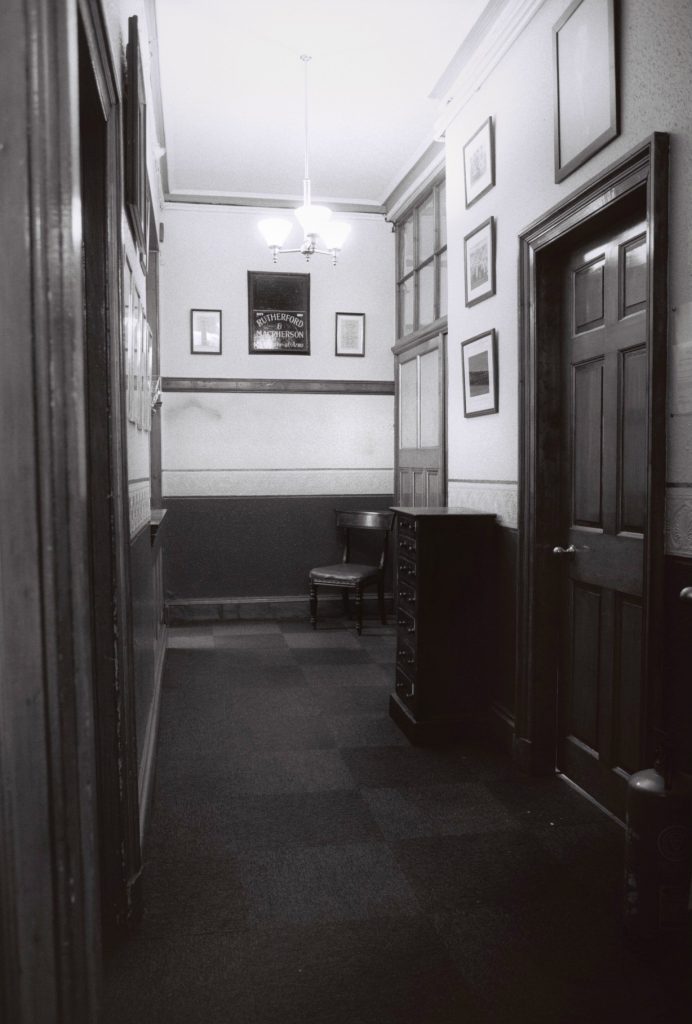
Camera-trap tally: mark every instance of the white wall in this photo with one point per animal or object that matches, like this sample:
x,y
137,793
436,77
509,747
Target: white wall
x,y
655,88
226,444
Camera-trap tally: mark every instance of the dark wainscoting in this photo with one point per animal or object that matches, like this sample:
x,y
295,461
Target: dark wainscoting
x,y
143,630
222,549
678,658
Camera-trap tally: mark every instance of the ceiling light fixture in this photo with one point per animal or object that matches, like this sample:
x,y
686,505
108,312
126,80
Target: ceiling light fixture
x,y
315,221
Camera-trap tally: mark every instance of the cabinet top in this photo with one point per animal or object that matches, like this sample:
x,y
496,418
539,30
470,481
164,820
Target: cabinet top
x,y
442,511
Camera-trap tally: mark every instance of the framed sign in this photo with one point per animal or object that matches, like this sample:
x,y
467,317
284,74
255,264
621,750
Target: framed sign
x,y
479,163
584,83
205,332
350,334
479,262
279,313
479,369
136,140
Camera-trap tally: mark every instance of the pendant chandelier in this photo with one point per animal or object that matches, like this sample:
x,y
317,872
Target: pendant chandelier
x,y
315,221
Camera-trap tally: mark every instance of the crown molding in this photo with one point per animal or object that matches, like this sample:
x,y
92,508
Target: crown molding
x,y
500,34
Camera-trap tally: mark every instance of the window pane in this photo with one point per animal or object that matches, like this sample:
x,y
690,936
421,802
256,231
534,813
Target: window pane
x,y
430,399
406,250
406,307
408,404
442,208
426,294
443,283
426,229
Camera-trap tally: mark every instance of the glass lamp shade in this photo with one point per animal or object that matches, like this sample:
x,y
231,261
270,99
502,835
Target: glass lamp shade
x,y
334,234
275,231
313,219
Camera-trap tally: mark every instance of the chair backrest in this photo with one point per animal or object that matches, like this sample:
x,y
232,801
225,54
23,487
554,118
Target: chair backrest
x,y
379,520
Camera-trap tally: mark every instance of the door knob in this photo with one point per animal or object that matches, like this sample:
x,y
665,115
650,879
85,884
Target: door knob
x,y
686,594
571,550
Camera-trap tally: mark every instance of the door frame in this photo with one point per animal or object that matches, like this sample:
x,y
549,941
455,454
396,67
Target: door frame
x,y
646,169
115,713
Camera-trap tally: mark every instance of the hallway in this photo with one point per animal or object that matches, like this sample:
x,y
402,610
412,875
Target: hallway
x,y
304,863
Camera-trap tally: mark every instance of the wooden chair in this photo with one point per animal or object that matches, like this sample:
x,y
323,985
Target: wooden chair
x,y
354,576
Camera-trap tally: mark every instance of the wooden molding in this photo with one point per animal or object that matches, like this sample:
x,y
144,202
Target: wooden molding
x,y
258,386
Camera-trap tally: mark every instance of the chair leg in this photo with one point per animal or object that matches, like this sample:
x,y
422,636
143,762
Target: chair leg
x,y
380,599
313,605
359,610
344,601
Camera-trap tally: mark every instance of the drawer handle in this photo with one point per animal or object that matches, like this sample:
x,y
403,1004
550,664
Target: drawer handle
x,y
406,624
403,655
401,688
404,596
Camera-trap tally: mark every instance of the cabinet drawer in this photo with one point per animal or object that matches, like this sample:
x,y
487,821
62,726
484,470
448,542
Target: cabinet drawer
x,y
406,526
407,545
405,656
407,569
405,687
406,625
406,596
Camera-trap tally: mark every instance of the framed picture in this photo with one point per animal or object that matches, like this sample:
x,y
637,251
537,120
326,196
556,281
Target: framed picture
x,y
128,325
350,334
479,369
144,253
136,318
584,83
278,313
205,332
479,163
479,262
135,139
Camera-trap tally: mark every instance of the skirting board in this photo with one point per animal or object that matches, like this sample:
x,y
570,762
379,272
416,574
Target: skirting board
x,y
223,609
146,776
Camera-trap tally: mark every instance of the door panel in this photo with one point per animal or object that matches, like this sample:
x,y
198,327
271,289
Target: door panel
x,y
420,455
603,510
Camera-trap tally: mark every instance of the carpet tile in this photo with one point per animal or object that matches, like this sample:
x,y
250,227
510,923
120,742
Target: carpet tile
x,y
304,864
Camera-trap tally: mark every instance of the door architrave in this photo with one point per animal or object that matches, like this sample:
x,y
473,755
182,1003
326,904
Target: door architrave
x,y
645,169
115,716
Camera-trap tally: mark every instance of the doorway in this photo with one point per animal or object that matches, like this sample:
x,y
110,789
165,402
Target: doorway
x,y
420,468
592,465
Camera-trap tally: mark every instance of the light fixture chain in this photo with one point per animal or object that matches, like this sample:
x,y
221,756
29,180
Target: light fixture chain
x,y
306,177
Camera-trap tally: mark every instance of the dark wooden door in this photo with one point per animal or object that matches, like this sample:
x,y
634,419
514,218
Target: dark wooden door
x,y
602,704
420,455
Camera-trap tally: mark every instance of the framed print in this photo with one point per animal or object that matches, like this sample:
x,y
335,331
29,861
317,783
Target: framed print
x,y
479,163
136,317
278,313
141,370
584,83
205,332
127,333
135,139
144,253
479,262
479,370
350,334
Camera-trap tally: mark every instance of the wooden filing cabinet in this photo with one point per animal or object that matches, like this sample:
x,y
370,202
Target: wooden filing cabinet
x,y
445,561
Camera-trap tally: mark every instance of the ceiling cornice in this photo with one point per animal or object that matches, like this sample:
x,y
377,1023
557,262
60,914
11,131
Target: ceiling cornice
x,y
419,177
476,58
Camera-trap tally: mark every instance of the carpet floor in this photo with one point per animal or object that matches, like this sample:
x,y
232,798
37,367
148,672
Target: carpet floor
x,y
304,864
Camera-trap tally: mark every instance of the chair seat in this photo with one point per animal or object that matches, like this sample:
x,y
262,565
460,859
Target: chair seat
x,y
344,574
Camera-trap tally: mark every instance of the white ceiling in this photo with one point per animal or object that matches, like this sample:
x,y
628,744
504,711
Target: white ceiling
x,y
232,92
